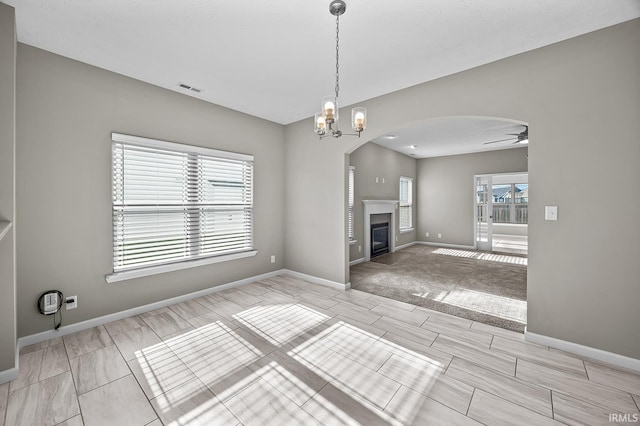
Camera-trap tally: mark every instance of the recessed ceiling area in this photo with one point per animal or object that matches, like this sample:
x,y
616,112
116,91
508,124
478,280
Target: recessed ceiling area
x,y
452,136
276,60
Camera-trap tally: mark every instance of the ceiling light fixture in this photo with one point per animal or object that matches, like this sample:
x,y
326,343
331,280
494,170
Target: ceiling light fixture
x,y
390,137
325,123
413,146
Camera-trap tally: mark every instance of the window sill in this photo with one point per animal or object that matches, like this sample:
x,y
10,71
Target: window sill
x,y
154,270
405,230
352,242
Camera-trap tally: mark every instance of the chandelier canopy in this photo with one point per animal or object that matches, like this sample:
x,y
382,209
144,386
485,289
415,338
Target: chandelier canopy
x,y
325,122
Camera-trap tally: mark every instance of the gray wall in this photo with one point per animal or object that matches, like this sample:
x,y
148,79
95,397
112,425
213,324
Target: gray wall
x,y
7,186
371,161
445,188
66,111
581,98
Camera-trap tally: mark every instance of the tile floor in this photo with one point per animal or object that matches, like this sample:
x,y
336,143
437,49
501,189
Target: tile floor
x,y
283,351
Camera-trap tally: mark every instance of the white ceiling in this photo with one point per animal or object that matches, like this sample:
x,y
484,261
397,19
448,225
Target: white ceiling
x,y
452,136
276,60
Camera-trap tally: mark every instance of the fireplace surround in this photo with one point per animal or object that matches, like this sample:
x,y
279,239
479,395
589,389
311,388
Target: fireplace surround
x,y
372,207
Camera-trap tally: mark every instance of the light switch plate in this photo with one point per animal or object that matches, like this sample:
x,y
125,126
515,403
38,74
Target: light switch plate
x,y
550,212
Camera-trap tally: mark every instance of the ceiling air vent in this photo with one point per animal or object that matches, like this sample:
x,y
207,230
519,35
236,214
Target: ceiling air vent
x,y
188,87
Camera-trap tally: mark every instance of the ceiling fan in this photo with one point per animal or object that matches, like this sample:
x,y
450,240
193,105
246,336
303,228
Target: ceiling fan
x,y
522,137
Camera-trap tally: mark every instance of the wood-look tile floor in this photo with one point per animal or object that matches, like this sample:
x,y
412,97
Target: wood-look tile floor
x,y
283,351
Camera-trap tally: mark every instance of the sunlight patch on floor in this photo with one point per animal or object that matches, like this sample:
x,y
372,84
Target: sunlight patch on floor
x,y
492,257
274,322
486,303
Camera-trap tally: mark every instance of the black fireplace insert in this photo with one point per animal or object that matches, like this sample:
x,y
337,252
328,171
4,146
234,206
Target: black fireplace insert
x,y
379,239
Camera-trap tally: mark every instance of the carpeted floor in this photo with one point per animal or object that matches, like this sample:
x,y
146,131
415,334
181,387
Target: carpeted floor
x,y
481,286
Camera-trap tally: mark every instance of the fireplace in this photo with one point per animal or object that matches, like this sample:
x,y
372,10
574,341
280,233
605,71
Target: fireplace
x,y
379,239
376,212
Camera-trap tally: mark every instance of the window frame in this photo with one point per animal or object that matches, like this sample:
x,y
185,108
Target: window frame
x,y
407,204
351,198
202,258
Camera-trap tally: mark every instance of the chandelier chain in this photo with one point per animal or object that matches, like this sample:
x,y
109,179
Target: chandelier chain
x,y
337,54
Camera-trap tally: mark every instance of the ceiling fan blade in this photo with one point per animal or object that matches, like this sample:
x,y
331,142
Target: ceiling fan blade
x,y
501,140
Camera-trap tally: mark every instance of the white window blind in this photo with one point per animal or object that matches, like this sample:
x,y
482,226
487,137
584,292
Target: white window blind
x,y
174,202
352,171
406,201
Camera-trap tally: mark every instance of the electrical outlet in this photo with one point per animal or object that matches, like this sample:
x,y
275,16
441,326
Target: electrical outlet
x,y
359,249
377,179
396,239
273,258
426,234
439,235
71,302
382,180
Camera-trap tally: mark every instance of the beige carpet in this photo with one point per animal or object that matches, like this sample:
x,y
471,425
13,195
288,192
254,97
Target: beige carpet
x,y
482,286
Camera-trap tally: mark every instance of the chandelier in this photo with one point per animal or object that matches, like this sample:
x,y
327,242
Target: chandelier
x,y
325,123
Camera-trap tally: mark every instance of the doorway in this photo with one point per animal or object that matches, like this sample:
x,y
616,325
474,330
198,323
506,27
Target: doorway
x,y
501,212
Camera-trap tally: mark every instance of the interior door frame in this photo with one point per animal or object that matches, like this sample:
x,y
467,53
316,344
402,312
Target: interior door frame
x,y
490,210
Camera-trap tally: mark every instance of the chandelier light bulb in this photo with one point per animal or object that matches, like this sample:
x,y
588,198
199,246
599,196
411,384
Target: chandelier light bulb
x,y
329,107
358,119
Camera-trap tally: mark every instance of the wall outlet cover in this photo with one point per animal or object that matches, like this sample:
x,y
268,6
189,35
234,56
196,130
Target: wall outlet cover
x,y
550,212
71,305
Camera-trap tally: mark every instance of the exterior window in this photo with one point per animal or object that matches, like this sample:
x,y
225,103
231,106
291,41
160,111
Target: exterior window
x,y
406,203
511,203
352,172
174,203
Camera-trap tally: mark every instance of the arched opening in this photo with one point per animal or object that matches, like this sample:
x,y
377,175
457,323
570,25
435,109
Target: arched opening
x,y
414,199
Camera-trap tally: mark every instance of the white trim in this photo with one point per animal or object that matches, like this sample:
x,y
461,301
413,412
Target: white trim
x,y
316,280
4,228
11,373
379,207
406,245
586,351
83,325
172,146
94,322
456,246
352,242
153,270
8,375
380,202
405,230
355,262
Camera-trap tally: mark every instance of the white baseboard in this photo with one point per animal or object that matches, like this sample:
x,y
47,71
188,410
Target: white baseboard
x,y
586,351
10,373
94,322
403,246
355,262
316,280
455,246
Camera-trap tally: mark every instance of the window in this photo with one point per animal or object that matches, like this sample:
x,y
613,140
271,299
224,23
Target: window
x,y
174,202
352,172
406,202
510,203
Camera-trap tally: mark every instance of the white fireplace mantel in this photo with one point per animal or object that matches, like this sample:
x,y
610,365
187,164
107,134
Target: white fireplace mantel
x,y
379,207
